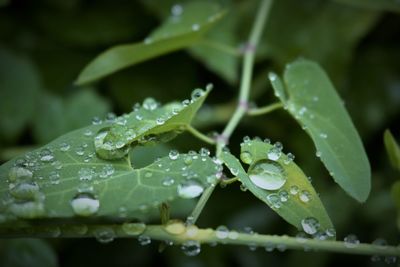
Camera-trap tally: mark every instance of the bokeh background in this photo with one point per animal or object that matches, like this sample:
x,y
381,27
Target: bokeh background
x,y
44,44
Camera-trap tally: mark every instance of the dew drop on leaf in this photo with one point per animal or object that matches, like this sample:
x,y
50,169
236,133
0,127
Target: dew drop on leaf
x,y
85,204
222,232
27,210
190,189
274,200
19,174
197,93
175,227
144,240
310,225
305,196
246,157
294,190
168,181
267,175
173,154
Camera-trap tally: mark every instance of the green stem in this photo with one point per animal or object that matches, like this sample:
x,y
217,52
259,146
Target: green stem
x,y
220,47
247,72
200,135
229,181
183,233
265,110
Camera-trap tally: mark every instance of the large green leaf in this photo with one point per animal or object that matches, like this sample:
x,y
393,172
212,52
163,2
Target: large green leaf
x,y
393,149
386,5
147,123
66,179
295,200
314,103
19,89
178,31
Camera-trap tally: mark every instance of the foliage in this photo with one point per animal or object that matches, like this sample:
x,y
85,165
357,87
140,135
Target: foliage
x,y
72,168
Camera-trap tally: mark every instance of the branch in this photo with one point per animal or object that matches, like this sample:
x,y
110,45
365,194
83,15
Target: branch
x,y
178,233
265,110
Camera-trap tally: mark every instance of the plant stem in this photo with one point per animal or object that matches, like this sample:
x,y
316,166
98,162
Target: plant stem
x,y
200,135
264,110
160,232
220,47
229,181
247,72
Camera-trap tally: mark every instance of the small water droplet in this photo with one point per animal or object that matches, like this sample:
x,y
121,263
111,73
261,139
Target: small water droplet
x,y
310,225
88,132
284,196
222,232
190,189
195,27
294,189
173,154
64,147
150,104
175,227
305,196
133,228
274,153
289,159
168,181
274,200
204,152
331,232
323,135
267,175
86,174
176,10
19,174
96,121
191,248
144,240
318,154
351,241
46,155
85,204
54,177
104,234
197,93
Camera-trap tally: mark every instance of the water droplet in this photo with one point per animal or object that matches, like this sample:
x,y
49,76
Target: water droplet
x,y
46,155
222,232
310,225
175,227
107,171
272,76
176,10
234,171
88,132
294,189
274,200
19,174
284,196
173,154
191,248
64,147
274,153
96,121
195,27
27,210
86,174
243,188
318,154
191,231
190,189
144,240
305,196
168,181
246,157
25,190
104,234
133,228
54,177
233,235
323,135
269,247
148,174
268,175
150,104
84,204
204,152
197,93
351,241
289,159
246,139
160,121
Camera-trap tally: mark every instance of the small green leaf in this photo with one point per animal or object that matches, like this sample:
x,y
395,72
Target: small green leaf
x,y
314,103
177,32
66,179
393,149
148,123
289,193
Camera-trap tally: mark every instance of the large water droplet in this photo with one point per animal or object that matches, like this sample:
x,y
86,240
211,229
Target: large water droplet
x,y
267,175
190,189
25,190
84,204
133,228
310,225
191,248
27,210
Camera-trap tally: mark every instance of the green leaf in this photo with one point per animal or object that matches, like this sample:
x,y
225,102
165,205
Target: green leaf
x,y
384,5
147,124
395,192
314,103
27,252
177,32
55,116
66,179
392,149
19,89
295,201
